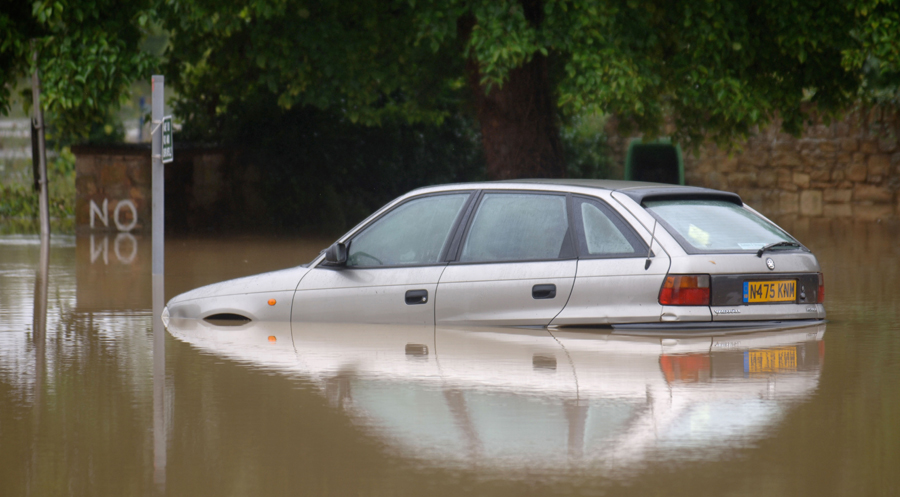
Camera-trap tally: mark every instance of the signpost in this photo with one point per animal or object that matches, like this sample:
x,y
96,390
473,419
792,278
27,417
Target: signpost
x,y
168,148
157,135
161,152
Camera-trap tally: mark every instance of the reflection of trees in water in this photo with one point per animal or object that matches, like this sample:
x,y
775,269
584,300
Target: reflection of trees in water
x,y
74,400
88,414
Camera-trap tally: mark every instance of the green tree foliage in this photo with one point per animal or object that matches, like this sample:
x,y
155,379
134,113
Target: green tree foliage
x,y
877,54
360,58
88,56
713,69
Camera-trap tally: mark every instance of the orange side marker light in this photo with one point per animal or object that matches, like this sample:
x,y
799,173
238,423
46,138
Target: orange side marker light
x,y
272,339
271,301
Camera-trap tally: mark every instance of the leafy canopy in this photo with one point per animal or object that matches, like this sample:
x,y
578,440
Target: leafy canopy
x,y
88,56
877,53
715,68
711,68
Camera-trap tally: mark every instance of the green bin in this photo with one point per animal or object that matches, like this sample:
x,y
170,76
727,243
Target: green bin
x,y
656,162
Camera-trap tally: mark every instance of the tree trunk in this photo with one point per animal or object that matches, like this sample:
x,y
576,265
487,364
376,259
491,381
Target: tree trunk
x,y
519,129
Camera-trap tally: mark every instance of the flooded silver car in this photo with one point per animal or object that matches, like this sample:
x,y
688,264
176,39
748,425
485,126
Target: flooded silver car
x,y
539,253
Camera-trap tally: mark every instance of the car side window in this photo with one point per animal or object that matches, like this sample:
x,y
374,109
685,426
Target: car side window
x,y
602,233
413,233
518,227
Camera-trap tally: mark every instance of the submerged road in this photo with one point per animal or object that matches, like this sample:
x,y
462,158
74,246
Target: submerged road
x,y
385,410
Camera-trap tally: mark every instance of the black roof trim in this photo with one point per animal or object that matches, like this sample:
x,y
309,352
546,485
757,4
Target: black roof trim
x,y
641,195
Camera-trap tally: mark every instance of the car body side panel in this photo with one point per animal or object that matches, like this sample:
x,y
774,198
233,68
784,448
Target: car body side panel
x,y
501,294
618,290
615,291
375,296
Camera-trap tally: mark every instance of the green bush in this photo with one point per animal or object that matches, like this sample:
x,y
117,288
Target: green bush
x,y
586,150
18,201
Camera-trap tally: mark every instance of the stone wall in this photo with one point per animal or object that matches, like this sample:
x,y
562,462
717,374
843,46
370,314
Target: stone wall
x,y
848,168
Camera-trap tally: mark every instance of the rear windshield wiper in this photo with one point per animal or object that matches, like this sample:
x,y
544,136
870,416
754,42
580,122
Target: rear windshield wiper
x,y
759,252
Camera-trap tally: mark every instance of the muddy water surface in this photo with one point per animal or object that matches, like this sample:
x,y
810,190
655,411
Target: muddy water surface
x,y
355,410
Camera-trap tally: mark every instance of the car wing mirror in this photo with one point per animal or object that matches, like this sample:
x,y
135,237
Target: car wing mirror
x,y
336,255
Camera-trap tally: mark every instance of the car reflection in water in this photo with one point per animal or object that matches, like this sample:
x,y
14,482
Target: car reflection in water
x,y
528,399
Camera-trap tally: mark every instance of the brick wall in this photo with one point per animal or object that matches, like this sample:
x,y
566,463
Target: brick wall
x,y
112,188
206,188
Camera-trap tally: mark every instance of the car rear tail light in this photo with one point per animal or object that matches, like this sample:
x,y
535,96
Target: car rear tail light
x,y
685,289
820,296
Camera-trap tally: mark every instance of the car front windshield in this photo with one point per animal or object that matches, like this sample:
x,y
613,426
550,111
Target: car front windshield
x,y
716,225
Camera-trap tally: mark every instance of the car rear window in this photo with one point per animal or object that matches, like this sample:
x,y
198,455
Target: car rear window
x,y
715,225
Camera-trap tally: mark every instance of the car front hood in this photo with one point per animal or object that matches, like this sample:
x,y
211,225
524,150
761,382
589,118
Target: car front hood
x,y
275,281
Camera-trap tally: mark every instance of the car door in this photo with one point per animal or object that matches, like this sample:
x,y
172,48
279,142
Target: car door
x,y
515,265
393,267
613,285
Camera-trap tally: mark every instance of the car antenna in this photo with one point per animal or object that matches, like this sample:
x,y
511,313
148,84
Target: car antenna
x,y
649,249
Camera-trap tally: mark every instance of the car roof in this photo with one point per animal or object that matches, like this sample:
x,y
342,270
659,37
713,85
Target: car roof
x,y
639,191
604,184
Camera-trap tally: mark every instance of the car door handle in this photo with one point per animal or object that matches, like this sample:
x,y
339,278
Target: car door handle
x,y
414,297
543,291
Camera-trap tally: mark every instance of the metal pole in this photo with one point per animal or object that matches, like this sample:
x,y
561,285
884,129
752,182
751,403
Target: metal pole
x,y
160,430
158,221
158,237
38,123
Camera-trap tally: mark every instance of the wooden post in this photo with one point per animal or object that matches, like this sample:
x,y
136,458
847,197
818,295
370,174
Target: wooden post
x,y
38,124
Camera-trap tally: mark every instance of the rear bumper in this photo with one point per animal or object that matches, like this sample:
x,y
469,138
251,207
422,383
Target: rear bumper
x,y
711,328
766,312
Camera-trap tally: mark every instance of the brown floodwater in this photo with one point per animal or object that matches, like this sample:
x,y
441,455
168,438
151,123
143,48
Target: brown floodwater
x,y
87,407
